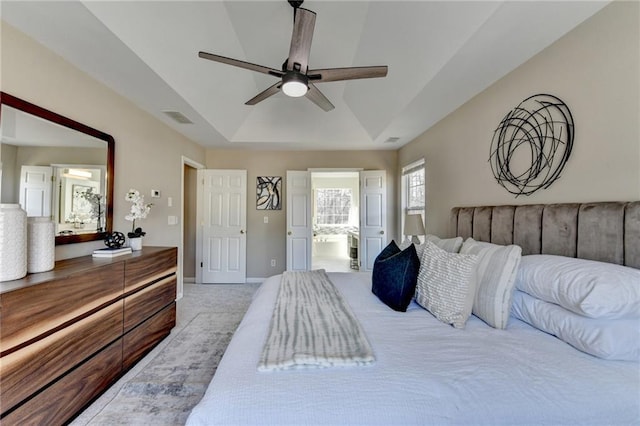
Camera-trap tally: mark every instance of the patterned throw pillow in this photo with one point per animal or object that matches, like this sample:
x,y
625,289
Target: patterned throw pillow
x,y
496,275
394,276
446,284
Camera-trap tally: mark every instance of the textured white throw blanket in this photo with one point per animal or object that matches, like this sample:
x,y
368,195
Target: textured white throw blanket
x,y
312,326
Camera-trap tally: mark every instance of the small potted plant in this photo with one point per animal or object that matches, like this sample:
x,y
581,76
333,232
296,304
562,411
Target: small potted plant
x,y
139,210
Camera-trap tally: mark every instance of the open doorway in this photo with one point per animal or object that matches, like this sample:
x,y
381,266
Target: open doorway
x,y
187,248
336,216
189,214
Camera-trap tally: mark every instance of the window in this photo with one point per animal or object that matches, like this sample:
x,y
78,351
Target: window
x,y
333,206
413,190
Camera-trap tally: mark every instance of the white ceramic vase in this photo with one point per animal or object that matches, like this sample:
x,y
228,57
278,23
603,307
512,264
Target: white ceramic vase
x,y
13,242
135,243
41,244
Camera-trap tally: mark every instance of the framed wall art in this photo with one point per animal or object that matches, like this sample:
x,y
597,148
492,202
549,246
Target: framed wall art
x,y
269,193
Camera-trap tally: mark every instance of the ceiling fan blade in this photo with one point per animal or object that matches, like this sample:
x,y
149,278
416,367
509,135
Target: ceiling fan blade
x,y
304,22
352,73
241,64
272,90
318,98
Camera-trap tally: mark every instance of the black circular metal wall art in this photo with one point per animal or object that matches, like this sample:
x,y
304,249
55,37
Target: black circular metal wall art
x,y
532,144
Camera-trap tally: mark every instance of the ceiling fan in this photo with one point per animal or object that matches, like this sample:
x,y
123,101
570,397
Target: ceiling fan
x,y
296,79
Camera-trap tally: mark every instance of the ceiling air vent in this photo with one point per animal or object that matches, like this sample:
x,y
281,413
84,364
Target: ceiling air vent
x,y
392,139
178,116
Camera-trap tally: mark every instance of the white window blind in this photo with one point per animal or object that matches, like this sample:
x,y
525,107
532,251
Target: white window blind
x,y
333,206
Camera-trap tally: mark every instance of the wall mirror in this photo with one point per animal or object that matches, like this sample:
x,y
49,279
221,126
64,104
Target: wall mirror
x,y
54,166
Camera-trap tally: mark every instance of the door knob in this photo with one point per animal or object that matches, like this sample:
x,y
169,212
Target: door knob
x,y
381,232
242,231
289,233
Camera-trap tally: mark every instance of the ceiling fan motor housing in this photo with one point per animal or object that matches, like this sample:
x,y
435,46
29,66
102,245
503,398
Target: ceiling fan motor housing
x,y
296,3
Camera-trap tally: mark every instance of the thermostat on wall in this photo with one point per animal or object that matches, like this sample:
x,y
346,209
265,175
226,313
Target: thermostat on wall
x,y
155,193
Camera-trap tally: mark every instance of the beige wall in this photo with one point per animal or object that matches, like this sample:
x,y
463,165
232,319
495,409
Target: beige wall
x,y
595,70
148,153
268,241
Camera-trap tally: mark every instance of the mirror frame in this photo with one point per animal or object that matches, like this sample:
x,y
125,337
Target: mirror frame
x,y
45,114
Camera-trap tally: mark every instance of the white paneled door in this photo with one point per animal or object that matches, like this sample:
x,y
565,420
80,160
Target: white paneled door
x,y
298,220
224,225
373,216
35,190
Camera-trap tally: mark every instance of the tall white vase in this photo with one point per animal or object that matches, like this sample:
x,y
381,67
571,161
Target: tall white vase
x,y
41,244
135,243
13,242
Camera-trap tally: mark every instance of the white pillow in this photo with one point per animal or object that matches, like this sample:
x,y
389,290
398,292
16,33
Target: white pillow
x,y
404,244
586,287
452,245
496,274
446,284
617,339
419,247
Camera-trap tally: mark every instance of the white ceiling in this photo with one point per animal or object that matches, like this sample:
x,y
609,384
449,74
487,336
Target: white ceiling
x,y
440,54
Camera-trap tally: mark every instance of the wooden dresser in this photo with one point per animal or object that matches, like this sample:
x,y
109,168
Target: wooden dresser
x,y
66,335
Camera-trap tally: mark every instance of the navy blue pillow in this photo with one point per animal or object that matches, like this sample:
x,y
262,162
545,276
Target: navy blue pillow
x,y
395,273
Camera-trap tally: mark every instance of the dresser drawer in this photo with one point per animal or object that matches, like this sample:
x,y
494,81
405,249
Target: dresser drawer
x,y
35,311
141,339
146,302
140,271
28,369
59,402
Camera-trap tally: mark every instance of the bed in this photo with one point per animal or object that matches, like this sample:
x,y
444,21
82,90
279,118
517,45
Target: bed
x,y
428,372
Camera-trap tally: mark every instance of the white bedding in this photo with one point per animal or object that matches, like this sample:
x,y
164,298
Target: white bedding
x,y
426,372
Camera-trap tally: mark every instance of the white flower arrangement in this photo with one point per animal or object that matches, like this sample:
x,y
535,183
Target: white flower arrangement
x,y
139,210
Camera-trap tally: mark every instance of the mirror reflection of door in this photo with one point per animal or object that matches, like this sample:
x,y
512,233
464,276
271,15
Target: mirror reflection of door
x,y
35,190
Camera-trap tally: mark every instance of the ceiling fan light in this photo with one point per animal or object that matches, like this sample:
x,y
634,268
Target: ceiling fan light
x,y
295,89
294,85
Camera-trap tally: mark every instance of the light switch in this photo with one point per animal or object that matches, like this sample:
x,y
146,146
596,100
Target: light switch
x,y
172,220
170,201
266,219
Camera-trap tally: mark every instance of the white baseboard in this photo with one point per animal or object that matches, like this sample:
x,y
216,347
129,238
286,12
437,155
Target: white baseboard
x,y
247,281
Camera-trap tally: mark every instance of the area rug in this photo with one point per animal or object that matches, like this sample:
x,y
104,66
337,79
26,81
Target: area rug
x,y
164,391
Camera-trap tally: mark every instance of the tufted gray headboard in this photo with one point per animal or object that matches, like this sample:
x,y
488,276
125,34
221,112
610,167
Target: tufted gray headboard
x,y
604,231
